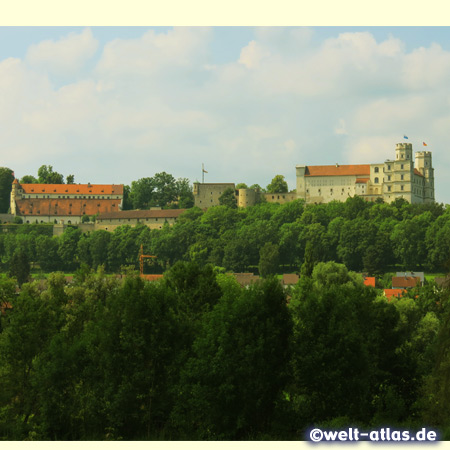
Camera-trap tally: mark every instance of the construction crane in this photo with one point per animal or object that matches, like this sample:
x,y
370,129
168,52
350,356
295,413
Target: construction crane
x,y
141,259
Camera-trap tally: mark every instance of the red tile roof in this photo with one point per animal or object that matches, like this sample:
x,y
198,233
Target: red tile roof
x,y
65,206
73,189
362,180
389,293
405,282
417,173
142,214
369,281
324,171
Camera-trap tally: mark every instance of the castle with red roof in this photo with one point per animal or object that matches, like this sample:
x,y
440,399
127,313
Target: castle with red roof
x,y
68,203
403,177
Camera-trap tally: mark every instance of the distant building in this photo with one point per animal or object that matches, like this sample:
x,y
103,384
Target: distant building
x,y
153,218
208,194
68,203
420,275
399,178
369,281
405,282
397,293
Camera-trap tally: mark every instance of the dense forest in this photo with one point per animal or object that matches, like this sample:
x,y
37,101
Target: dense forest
x,y
196,356
374,238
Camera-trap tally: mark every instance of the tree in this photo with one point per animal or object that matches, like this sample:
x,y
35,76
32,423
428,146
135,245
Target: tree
x,y
46,175
19,266
28,179
141,193
70,179
228,198
339,345
127,203
241,186
278,185
165,189
6,179
230,386
269,257
184,193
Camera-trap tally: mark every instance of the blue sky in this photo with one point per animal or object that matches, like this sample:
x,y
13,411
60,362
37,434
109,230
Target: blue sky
x,y
115,104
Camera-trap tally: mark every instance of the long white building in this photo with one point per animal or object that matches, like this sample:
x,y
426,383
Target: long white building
x,y
404,177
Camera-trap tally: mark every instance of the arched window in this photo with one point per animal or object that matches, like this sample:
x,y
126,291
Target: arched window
x,y
376,180
376,169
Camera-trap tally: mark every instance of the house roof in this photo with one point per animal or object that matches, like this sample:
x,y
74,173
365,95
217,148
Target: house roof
x,y
337,170
369,281
389,293
362,180
73,189
290,278
245,279
405,282
65,206
141,214
151,277
416,172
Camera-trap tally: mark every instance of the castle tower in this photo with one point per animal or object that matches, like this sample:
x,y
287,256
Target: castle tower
x,y
403,152
14,196
301,185
423,164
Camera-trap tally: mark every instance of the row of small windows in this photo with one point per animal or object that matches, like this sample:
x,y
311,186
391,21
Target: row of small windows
x,y
98,197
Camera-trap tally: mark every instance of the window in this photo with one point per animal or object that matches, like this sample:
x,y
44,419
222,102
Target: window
x,y
401,187
376,180
389,167
389,189
389,178
376,169
401,177
401,166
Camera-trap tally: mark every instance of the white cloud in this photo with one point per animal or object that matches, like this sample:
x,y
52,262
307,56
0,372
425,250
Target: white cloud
x,y
252,54
64,56
154,52
162,102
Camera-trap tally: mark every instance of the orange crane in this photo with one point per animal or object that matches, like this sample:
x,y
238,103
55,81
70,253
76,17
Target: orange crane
x,y
141,259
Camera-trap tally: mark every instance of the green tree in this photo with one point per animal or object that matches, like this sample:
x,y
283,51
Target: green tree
x,y
46,175
141,193
6,179
232,383
28,179
278,185
19,266
269,258
70,179
337,354
228,198
184,193
241,186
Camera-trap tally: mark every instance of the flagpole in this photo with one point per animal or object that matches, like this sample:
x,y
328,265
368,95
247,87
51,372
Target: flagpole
x,y
203,174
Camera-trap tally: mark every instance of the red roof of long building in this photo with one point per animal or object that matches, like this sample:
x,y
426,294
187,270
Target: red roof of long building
x,y
73,189
337,170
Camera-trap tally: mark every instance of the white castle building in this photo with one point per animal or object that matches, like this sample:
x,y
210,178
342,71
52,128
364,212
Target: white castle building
x,y
404,177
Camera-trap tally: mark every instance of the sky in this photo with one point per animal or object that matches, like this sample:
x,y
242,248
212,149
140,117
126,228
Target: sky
x,y
116,104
